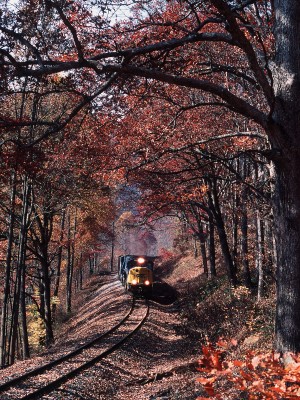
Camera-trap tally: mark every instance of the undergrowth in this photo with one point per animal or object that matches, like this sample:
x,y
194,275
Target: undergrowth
x,y
212,309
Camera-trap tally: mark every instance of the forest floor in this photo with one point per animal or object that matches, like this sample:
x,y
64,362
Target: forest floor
x,y
160,361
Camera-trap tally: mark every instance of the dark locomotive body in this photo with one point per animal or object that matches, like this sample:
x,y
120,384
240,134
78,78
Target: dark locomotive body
x,y
136,273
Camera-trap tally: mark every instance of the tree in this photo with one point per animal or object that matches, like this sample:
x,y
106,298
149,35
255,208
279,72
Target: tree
x,y
284,135
44,182
177,43
176,159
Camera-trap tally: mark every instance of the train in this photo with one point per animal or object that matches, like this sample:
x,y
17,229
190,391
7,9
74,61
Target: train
x,y
136,273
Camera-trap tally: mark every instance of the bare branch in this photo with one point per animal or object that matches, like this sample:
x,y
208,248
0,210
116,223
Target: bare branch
x,y
22,40
70,27
235,102
59,126
240,38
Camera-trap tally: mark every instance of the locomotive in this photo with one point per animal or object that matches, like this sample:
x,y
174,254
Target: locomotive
x,y
136,273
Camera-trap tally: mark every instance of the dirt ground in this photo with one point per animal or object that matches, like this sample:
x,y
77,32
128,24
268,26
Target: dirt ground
x,y
157,363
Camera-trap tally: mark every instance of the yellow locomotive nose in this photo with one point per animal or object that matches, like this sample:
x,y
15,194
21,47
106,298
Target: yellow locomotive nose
x,y
136,273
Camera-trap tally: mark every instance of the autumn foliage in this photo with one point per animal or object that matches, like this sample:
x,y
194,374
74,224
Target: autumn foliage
x,y
180,104
255,376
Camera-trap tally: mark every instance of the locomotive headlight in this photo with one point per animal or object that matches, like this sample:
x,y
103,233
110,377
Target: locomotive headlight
x,y
147,283
141,260
134,282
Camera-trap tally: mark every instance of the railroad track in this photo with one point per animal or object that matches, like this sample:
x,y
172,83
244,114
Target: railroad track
x,y
45,379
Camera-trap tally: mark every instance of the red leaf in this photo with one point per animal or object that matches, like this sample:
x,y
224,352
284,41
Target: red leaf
x,y
210,390
238,363
222,343
216,361
206,350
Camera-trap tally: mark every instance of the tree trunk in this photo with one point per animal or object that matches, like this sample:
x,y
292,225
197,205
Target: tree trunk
x,y
70,262
286,141
112,248
195,247
59,258
46,230
22,265
260,256
216,211
24,330
235,219
47,303
44,224
91,265
212,249
69,270
203,247
13,335
268,245
6,293
19,304
80,273
287,220
81,277
199,233
244,242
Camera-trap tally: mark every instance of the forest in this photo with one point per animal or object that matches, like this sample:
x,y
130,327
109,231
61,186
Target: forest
x,y
118,114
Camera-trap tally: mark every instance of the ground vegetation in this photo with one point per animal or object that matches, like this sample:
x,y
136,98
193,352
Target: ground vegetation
x,y
192,104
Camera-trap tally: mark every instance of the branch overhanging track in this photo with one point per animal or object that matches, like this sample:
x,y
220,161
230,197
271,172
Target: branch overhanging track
x,y
51,385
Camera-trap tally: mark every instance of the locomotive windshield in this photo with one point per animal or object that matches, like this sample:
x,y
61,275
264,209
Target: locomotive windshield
x,y
127,262
136,273
135,263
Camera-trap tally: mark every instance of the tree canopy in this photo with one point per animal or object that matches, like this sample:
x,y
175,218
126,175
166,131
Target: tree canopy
x,y
164,84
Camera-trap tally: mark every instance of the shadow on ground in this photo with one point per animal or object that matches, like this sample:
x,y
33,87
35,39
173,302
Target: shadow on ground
x,y
163,293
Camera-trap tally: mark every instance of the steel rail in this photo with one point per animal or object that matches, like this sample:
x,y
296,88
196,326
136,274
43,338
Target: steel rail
x,y
56,383
49,387
39,370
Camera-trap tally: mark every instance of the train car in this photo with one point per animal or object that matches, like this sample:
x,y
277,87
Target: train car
x,y
136,273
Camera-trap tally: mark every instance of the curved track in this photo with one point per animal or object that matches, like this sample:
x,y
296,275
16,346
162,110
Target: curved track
x,y
25,388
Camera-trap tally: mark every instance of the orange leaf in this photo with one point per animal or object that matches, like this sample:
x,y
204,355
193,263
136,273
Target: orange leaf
x,y
238,363
276,389
206,381
248,377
